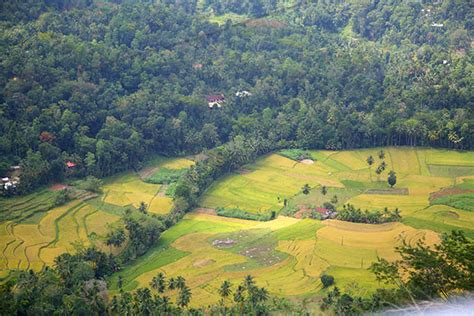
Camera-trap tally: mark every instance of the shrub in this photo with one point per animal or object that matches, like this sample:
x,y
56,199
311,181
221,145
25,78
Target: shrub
x,y
296,154
91,184
238,213
327,280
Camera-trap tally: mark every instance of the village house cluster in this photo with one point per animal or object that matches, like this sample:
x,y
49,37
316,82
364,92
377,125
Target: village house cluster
x,y
12,179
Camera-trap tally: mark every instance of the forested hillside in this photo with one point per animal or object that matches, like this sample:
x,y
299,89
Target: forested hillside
x,y
102,84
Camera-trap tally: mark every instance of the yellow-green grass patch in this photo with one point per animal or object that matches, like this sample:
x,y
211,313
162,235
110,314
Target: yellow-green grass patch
x,y
442,219
161,205
449,157
176,163
354,281
98,223
302,230
404,160
272,179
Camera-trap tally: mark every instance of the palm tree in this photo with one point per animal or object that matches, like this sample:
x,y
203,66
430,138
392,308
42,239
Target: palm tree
x,y
171,284
142,208
225,289
324,190
239,297
262,294
370,161
159,282
249,282
184,297
180,282
306,189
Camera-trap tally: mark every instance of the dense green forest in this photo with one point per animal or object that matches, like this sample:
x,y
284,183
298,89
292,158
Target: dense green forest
x,y
103,84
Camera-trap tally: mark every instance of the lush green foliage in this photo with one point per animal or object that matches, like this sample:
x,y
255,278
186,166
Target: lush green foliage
x,y
238,213
460,201
102,84
351,214
166,176
296,154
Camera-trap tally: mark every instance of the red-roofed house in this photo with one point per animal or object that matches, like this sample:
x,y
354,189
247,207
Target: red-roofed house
x,y
70,164
215,100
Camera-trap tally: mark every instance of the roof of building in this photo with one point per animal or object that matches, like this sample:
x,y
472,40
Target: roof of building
x,y
70,164
215,98
322,210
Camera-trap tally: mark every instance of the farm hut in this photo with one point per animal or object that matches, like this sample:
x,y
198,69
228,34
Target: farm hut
x,y
215,101
70,164
243,93
15,168
5,179
198,66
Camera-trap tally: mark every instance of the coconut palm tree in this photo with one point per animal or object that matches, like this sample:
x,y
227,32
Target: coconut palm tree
x,y
306,189
172,284
180,282
225,289
324,190
158,282
184,297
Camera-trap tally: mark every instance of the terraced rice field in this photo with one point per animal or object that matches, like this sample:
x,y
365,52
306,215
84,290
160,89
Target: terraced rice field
x,y
272,179
32,246
130,189
286,255
33,232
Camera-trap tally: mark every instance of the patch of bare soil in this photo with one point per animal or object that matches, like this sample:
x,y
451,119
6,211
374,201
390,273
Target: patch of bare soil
x,y
265,23
147,172
83,195
225,243
162,191
203,262
388,191
203,210
58,187
244,171
303,210
449,214
448,191
307,161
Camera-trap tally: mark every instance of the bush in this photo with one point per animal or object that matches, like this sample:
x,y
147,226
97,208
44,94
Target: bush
x,y
91,184
61,198
327,280
296,154
238,213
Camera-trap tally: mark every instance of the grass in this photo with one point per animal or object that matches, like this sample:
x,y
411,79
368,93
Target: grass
x,y
442,219
460,201
302,230
222,19
166,176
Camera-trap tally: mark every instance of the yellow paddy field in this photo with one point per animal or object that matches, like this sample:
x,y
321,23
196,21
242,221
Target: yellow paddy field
x,y
288,255
33,237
